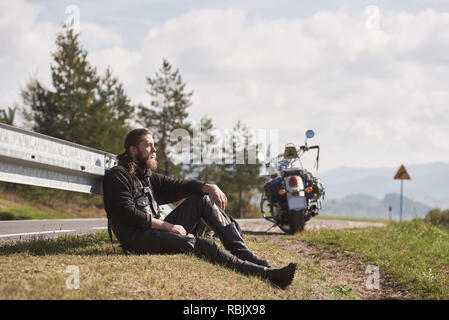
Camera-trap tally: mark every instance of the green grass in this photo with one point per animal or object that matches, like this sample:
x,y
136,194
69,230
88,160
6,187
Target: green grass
x,y
10,210
31,202
349,219
415,254
341,292
37,270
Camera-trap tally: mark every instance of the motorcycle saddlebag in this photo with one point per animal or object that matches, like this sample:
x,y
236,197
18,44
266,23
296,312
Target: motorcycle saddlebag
x,y
315,183
272,188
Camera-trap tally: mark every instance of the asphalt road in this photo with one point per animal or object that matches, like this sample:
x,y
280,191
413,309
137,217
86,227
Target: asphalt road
x,y
14,230
44,229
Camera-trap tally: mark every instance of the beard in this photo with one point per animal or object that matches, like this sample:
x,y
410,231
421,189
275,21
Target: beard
x,y
146,162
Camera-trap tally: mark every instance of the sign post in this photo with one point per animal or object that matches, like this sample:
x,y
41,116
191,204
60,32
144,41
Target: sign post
x,y
402,175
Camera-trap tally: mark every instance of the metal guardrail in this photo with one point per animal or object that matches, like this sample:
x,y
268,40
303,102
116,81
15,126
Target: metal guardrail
x,y
36,159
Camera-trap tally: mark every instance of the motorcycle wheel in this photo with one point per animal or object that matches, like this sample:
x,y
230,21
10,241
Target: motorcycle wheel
x,y
296,221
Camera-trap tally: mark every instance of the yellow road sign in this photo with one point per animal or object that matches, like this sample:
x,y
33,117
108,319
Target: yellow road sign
x,y
402,174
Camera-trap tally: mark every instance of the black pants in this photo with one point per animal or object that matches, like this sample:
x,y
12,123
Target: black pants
x,y
188,214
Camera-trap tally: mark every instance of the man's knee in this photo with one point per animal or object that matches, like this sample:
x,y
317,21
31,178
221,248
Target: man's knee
x,y
205,248
199,199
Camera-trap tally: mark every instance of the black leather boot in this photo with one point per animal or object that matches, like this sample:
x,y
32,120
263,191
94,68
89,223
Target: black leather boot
x,y
228,234
209,250
232,240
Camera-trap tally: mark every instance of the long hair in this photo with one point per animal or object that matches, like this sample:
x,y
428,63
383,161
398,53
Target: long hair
x,y
133,138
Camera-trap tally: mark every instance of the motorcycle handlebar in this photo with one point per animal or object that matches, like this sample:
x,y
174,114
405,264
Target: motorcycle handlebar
x,y
302,148
307,148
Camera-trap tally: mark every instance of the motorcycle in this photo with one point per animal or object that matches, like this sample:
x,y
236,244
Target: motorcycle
x,y
293,194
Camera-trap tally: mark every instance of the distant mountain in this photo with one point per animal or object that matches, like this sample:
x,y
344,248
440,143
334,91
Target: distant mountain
x,y
366,206
429,183
360,198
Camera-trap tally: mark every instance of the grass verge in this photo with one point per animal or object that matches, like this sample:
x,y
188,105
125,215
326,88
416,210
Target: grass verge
x,y
44,203
415,254
38,270
10,210
14,207
349,219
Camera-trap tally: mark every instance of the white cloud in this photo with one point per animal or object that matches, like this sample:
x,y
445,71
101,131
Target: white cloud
x,y
94,37
365,91
25,46
374,97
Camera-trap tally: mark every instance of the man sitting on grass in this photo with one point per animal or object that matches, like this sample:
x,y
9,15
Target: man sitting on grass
x,y
132,193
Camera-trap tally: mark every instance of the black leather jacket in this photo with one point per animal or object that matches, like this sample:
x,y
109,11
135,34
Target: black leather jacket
x,y
131,201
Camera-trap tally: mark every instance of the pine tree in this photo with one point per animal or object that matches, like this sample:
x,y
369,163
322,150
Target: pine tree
x,y
63,113
241,177
168,111
114,110
204,167
83,108
8,117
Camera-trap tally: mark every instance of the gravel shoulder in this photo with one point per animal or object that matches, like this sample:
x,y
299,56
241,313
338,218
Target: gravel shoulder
x,y
256,226
344,270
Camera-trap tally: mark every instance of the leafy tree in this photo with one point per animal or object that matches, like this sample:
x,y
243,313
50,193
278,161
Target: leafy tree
x,y
83,108
8,118
240,177
203,167
168,111
114,110
438,217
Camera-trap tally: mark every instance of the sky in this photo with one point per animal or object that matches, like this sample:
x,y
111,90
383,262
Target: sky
x,y
370,78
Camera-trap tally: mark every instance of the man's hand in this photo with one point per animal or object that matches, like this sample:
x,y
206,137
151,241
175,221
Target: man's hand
x,y
178,229
215,194
166,226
